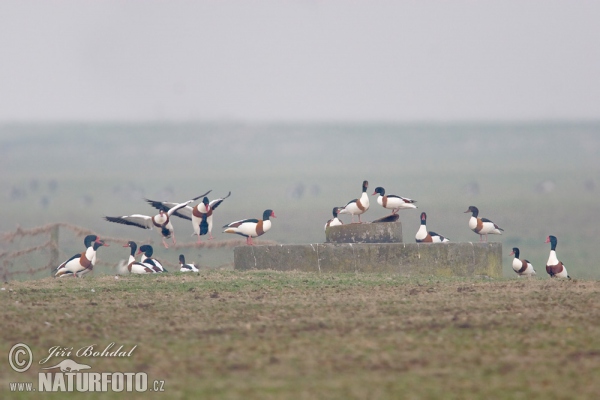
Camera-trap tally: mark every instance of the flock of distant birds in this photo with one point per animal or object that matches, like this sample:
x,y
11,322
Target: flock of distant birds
x,y
201,216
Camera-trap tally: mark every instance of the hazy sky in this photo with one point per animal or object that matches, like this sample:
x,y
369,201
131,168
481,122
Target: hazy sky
x,y
420,60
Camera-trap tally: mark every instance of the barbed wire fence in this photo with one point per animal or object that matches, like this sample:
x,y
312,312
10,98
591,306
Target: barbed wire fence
x,y
34,260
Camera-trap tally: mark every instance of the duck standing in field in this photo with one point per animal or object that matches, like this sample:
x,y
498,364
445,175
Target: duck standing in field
x,y
147,251
83,263
393,202
521,267
162,221
555,268
423,236
183,267
251,227
482,226
132,266
357,206
335,221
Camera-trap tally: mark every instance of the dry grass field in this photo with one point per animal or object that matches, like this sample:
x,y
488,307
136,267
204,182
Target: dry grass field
x,y
274,335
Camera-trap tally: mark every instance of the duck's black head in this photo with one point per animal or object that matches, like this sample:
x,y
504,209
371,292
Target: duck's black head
x,y
147,250
335,212
515,252
474,210
165,232
365,185
267,214
89,239
553,241
133,246
98,243
205,201
182,259
379,190
423,218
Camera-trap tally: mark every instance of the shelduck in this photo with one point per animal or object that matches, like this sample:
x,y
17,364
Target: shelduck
x,y
521,267
335,221
82,263
555,268
482,226
162,221
393,202
132,266
423,236
183,267
357,206
201,215
147,251
251,227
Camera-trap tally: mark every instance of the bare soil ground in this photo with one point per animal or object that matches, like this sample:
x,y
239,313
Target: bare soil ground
x,y
275,335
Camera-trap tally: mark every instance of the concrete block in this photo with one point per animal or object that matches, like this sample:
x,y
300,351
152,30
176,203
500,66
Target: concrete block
x,y
386,232
437,259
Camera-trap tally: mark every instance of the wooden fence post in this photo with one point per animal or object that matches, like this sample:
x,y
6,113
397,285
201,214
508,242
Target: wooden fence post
x,y
54,236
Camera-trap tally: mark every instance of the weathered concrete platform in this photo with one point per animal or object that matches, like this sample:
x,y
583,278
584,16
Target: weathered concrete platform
x,y
387,232
439,259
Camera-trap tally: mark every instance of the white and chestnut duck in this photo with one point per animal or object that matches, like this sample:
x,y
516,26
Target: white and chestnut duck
x,y
183,267
147,251
393,202
423,236
251,227
335,221
554,267
357,206
133,266
482,226
162,221
521,267
82,263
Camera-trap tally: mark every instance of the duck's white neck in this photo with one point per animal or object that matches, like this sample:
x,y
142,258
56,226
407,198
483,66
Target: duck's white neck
x,y
552,259
421,233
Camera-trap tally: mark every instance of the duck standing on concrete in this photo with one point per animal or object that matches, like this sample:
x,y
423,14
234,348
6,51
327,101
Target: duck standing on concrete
x,y
482,226
335,221
357,206
423,236
555,268
251,227
393,202
521,267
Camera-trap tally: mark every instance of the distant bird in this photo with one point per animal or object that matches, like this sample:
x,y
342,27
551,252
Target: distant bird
x,y
357,206
147,251
201,215
161,221
251,227
482,226
555,268
521,267
335,221
83,263
132,266
423,236
393,202
183,267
